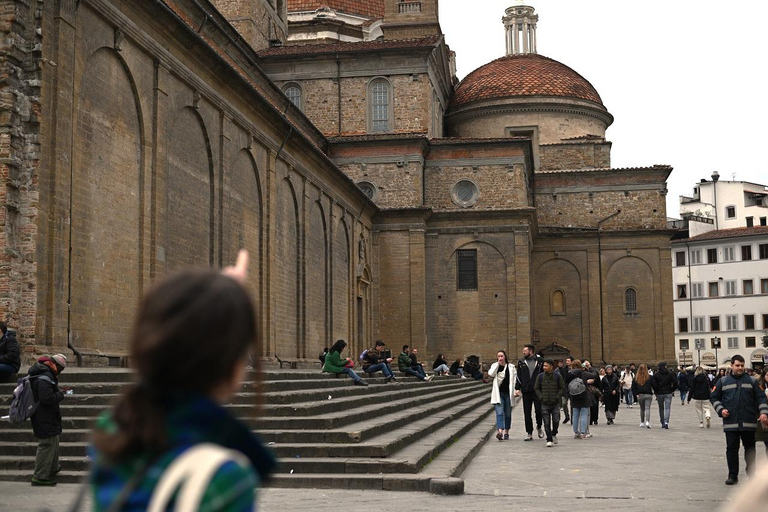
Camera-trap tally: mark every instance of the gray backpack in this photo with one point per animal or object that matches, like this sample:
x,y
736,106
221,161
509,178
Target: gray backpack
x,y
576,387
23,404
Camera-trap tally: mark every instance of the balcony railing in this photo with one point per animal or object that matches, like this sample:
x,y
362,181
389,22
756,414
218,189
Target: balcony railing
x,y
408,7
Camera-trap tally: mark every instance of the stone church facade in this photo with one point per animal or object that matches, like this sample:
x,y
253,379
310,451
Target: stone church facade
x,y
379,197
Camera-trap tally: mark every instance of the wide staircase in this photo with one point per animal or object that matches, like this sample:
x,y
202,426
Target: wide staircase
x,y
325,431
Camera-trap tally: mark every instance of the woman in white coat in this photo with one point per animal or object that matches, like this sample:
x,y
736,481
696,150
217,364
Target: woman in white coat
x,y
504,376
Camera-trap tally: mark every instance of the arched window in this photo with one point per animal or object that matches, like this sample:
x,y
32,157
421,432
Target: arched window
x,y
293,91
380,101
557,303
630,300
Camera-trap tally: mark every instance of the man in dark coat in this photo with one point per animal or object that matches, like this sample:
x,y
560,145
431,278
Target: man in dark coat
x,y
741,403
46,422
664,383
10,357
528,369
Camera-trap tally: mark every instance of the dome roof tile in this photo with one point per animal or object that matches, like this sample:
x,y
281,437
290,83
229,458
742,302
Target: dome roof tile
x,y
523,75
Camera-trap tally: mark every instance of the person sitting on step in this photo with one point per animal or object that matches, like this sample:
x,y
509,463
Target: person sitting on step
x,y
440,365
404,365
457,368
374,362
334,364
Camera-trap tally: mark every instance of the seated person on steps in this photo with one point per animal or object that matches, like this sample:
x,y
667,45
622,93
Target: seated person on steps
x,y
373,362
334,364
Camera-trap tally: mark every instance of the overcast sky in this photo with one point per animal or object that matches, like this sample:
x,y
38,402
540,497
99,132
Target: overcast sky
x,y
685,80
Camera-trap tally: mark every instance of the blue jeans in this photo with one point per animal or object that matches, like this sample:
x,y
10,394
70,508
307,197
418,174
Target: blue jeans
x,y
383,367
351,373
683,394
504,412
413,373
6,370
580,420
665,404
442,368
629,398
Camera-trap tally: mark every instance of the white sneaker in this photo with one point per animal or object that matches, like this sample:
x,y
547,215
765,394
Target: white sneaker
x,y
429,377
463,376
549,444
701,425
647,424
642,424
707,421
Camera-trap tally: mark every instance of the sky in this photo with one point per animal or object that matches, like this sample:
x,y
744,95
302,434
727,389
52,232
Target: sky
x,y
686,80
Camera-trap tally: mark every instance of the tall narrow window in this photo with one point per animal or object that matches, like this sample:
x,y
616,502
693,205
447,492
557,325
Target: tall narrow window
x,y
746,252
762,251
696,257
680,259
557,303
764,286
711,255
697,290
730,212
731,322
714,323
730,287
380,105
698,324
682,325
630,300
749,322
747,287
714,289
293,92
728,254
750,342
682,291
466,263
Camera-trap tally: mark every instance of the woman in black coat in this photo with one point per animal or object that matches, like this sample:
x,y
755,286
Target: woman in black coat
x,y
611,388
700,396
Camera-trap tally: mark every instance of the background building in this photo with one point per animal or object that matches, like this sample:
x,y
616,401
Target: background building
x,y
721,275
380,197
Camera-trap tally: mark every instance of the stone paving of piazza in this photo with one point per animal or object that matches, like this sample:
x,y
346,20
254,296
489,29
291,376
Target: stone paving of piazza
x,y
622,466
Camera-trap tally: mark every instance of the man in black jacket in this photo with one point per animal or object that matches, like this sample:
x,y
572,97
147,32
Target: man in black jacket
x,y
10,357
46,422
528,369
664,383
741,403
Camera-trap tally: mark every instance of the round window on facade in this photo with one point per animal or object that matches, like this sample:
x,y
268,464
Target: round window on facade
x,y
464,193
368,189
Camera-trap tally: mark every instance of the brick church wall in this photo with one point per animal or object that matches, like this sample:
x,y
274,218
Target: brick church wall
x,y
167,159
20,162
577,155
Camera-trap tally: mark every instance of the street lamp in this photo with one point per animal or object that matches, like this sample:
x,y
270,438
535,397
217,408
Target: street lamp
x,y
698,349
716,345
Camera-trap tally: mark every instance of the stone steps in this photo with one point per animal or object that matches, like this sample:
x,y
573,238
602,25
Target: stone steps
x,y
325,431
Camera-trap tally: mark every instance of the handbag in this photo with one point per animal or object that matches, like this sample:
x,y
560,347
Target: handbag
x,y
191,473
